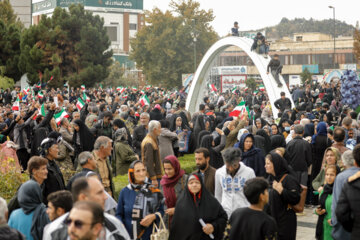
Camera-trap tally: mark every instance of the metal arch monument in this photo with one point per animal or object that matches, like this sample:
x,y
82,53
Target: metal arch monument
x,y
196,93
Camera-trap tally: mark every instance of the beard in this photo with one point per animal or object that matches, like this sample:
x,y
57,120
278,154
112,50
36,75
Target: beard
x,y
202,166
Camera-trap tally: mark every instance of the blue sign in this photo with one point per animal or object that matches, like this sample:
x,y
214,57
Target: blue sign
x,y
312,68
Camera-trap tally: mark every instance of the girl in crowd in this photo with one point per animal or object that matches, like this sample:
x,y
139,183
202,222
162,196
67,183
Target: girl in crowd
x,y
138,203
323,226
285,192
331,157
197,203
173,184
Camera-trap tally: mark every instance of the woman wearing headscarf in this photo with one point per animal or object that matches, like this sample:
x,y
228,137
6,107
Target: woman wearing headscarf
x,y
173,184
323,226
138,203
320,142
309,132
83,139
285,192
231,132
167,140
251,155
267,139
331,157
31,218
119,123
197,203
208,142
178,124
123,154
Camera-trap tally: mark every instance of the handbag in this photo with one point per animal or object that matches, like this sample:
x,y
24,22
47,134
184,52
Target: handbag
x,y
159,232
299,207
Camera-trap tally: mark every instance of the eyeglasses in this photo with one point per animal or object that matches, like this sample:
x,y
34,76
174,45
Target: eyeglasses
x,y
77,223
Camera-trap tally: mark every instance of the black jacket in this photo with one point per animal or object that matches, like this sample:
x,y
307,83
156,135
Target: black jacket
x,y
138,135
156,115
300,154
54,181
7,233
348,208
274,65
282,104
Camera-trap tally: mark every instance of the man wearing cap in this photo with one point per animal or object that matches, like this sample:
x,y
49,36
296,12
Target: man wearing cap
x,y
50,151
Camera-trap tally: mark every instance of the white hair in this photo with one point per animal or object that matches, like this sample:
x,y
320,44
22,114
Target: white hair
x,y
347,158
153,124
145,114
101,141
3,210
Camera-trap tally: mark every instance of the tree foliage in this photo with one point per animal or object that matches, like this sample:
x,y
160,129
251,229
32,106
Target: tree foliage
x,y
251,84
10,31
164,47
305,76
72,46
5,82
287,28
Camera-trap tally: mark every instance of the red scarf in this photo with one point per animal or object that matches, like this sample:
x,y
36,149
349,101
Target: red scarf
x,y
168,184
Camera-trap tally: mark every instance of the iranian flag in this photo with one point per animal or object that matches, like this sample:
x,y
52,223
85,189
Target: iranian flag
x,y
212,87
60,115
26,90
148,87
16,105
262,88
246,88
100,86
240,111
120,89
51,78
255,92
83,87
144,100
85,97
233,90
124,97
142,92
42,112
38,85
40,94
80,104
134,88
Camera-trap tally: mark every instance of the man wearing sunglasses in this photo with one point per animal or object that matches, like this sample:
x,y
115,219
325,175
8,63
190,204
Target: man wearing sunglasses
x,y
87,189
85,221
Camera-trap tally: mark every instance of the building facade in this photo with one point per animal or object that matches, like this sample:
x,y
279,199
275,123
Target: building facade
x,y
313,51
23,10
122,20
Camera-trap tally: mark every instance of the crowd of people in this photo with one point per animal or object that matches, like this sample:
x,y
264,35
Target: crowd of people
x,y
255,173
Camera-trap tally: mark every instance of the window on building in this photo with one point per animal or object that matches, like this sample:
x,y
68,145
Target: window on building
x,y
132,26
299,38
300,59
349,58
112,33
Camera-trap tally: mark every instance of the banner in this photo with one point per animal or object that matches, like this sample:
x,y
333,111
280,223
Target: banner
x,y
228,82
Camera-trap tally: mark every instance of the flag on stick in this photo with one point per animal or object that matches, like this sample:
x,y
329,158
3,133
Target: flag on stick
x,y
60,115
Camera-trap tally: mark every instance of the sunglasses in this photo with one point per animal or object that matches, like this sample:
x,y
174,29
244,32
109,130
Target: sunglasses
x,y
77,223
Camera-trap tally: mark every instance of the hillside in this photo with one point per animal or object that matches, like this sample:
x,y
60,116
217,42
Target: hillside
x,y
286,27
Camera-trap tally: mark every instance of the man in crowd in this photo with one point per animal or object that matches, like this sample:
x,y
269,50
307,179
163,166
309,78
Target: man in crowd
x,y
140,132
230,180
339,138
59,203
207,172
150,154
88,189
91,119
101,153
275,67
7,233
235,29
104,126
282,103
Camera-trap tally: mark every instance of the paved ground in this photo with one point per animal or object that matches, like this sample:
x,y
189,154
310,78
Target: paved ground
x,y
306,225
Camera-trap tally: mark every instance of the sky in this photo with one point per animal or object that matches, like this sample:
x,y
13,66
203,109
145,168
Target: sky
x,y
257,14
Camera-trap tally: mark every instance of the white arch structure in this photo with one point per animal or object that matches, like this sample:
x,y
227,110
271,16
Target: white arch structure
x,y
196,93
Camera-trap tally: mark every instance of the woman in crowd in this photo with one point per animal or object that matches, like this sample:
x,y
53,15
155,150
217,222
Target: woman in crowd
x,y
285,191
208,142
83,139
197,203
331,157
31,218
179,125
267,143
123,154
138,203
173,184
274,129
323,226
252,156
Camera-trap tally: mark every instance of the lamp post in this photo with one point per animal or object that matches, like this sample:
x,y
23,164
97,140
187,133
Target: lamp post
x,y
333,8
194,35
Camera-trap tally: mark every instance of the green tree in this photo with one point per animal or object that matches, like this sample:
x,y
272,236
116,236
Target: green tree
x,y
115,77
305,76
164,47
5,82
251,84
72,46
10,31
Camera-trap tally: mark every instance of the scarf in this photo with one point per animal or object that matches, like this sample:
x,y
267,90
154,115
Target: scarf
x,y
168,184
328,189
320,131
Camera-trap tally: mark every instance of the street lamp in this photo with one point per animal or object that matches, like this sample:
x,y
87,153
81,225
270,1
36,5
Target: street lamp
x,y
194,35
333,8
